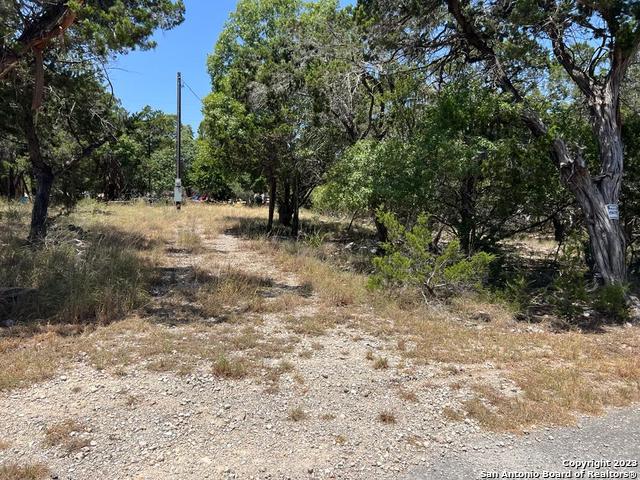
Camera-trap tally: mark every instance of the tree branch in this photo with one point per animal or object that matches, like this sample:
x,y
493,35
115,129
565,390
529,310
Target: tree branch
x,y
54,19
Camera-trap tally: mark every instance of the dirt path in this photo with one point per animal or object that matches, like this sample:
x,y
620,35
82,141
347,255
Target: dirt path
x,y
333,415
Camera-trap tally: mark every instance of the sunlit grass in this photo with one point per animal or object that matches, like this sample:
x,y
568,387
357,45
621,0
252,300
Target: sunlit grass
x,y
94,294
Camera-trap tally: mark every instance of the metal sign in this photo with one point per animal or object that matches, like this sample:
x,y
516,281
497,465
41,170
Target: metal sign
x,y
613,211
177,191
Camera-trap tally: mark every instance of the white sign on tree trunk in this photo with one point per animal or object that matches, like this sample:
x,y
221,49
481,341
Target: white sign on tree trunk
x,y
613,211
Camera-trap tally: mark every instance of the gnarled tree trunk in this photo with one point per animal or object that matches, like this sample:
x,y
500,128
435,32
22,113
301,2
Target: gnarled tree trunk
x,y
598,196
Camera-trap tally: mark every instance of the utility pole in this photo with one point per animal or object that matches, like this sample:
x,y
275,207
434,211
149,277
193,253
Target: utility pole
x,y
177,194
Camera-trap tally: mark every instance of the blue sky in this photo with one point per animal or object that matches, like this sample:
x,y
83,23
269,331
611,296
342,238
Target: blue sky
x,y
149,78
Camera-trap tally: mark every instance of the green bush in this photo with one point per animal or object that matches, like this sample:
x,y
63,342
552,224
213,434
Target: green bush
x,y
611,302
570,295
517,292
411,260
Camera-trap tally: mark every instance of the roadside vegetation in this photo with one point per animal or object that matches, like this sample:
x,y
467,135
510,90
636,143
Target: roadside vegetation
x,y
429,209
205,313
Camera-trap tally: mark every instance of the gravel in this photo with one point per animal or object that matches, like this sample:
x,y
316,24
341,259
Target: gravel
x,y
150,425
613,440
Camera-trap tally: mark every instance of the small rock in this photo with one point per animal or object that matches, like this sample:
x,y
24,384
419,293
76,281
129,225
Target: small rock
x,y
481,317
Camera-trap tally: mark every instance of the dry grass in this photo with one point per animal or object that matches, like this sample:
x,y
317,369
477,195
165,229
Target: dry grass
x,y
35,471
132,400
189,240
285,366
306,354
287,302
585,374
67,434
230,290
381,363
452,414
297,414
387,417
315,325
233,352
88,271
230,367
581,373
29,361
336,288
408,395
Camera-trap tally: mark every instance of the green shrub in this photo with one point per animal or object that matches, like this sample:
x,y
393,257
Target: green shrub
x,y
570,296
316,239
410,259
517,291
611,302
568,292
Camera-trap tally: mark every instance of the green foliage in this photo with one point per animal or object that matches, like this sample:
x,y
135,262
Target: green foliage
x,y
467,162
611,302
350,186
316,239
117,26
411,260
282,107
568,291
517,291
74,115
571,296
207,175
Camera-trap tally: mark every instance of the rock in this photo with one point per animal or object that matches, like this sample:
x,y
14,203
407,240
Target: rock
x,y
481,317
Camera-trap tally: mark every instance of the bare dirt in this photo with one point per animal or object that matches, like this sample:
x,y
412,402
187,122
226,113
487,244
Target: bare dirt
x,y
324,421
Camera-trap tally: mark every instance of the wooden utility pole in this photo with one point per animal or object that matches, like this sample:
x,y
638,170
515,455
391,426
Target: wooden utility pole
x,y
177,194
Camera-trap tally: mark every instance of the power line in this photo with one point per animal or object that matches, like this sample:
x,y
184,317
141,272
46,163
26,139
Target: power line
x,y
191,90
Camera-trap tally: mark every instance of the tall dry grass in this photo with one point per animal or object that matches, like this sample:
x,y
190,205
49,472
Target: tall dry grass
x,y
105,277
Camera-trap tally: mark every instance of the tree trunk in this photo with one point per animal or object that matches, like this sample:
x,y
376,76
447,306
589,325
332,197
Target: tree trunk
x,y
44,177
273,190
466,229
44,182
381,230
295,224
285,205
559,229
597,195
11,191
606,237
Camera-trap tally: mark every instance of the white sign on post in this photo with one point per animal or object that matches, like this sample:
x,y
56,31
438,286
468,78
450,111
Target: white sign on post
x,y
177,191
613,211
